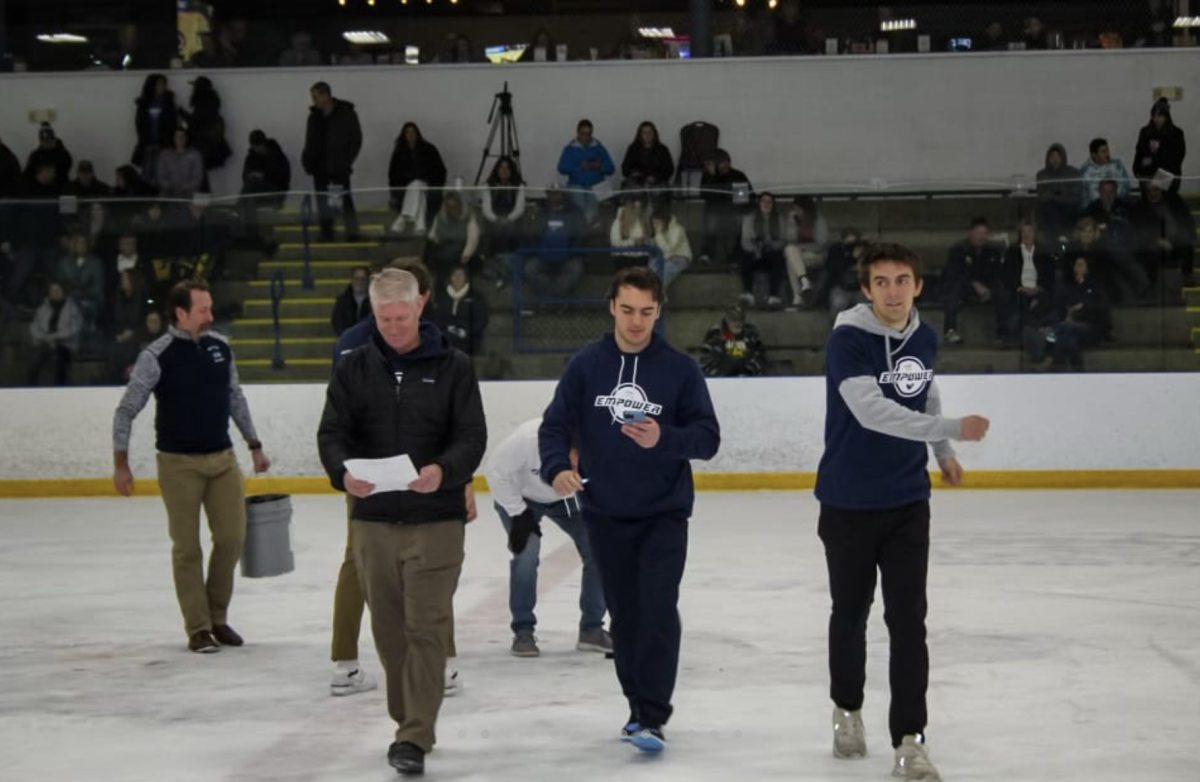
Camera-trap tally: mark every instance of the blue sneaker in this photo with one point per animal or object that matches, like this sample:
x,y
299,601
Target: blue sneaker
x,y
649,740
631,729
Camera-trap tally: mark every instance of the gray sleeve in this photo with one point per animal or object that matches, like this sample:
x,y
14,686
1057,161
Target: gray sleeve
x,y
239,409
933,407
141,385
876,412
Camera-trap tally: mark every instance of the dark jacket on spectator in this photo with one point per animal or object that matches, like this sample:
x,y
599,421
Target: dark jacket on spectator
x,y
1061,184
642,164
152,134
35,221
728,354
1157,148
976,264
332,143
435,415
94,191
423,162
83,282
1014,261
205,125
127,313
1169,219
1090,293
463,321
559,231
717,189
347,312
267,173
10,171
57,156
1116,230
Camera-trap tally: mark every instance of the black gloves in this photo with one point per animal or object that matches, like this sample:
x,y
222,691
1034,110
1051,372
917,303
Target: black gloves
x,y
523,525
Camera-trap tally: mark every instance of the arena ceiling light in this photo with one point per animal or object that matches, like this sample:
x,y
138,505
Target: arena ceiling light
x,y
1187,21
894,25
62,38
366,37
656,32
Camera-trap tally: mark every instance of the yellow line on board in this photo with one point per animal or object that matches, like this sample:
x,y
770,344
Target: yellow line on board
x,y
318,245
285,302
705,481
284,321
285,341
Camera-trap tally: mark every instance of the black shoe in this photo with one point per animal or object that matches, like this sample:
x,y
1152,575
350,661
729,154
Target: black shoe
x,y
226,635
203,642
406,758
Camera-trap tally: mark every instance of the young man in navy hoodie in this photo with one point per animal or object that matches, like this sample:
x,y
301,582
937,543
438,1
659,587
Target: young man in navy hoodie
x,y
638,410
882,411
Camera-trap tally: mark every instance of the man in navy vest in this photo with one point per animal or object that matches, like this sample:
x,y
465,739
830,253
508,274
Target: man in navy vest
x,y
190,372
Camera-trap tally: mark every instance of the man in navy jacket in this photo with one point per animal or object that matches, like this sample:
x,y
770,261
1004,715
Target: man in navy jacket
x,y
638,410
883,411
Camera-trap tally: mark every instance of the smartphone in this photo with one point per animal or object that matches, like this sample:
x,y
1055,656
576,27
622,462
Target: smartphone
x,y
633,416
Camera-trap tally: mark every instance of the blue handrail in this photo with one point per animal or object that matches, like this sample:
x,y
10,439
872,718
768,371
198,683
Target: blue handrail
x,y
306,214
657,263
277,362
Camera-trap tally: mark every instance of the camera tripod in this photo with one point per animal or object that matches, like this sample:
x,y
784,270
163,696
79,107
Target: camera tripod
x,y
502,121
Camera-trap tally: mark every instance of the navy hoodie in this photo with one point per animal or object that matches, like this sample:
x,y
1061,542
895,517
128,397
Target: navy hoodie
x,y
624,479
882,407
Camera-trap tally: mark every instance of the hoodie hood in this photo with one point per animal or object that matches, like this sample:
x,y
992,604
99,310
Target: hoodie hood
x,y
1062,151
862,317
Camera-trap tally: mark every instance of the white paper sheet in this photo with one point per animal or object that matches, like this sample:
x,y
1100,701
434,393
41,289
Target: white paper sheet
x,y
391,474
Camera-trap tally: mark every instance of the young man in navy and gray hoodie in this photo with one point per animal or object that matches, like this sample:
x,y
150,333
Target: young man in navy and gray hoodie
x,y
638,410
883,411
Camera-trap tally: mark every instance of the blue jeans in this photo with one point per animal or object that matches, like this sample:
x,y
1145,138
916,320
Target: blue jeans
x,y
522,585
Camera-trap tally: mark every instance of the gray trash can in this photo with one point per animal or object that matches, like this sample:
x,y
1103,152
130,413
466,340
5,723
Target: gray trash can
x,y
268,548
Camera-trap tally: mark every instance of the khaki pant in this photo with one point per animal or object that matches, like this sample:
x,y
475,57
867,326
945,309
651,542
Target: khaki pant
x,y
189,481
348,603
409,574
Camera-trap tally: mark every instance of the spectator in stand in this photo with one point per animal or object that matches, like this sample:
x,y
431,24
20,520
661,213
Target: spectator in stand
x,y
733,348
1036,37
541,48
503,208
417,176
1101,166
209,54
461,312
1160,147
33,230
974,272
206,127
555,271
841,287
763,236
721,206
301,54
1029,277
55,336
101,234
126,316
631,228
791,34
180,169
332,141
806,235
50,149
128,260
460,49
155,119
356,55
647,162
86,186
1110,214
1082,318
453,239
353,304
82,277
1059,192
131,194
586,164
992,39
266,180
672,241
1164,233
10,171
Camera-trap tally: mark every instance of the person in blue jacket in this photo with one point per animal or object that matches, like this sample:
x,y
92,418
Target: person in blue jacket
x,y
883,410
638,411
585,163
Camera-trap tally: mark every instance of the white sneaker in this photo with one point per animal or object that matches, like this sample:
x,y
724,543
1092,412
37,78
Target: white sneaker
x,y
912,761
349,681
453,682
952,337
849,736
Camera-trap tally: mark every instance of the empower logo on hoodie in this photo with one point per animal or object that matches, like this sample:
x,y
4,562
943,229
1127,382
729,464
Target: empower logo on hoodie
x,y
909,377
627,396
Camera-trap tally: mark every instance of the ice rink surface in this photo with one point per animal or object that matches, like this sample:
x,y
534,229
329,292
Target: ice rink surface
x,y
1064,635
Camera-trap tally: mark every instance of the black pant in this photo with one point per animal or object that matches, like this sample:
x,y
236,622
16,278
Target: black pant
x,y
959,289
641,563
321,183
772,262
59,355
896,541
